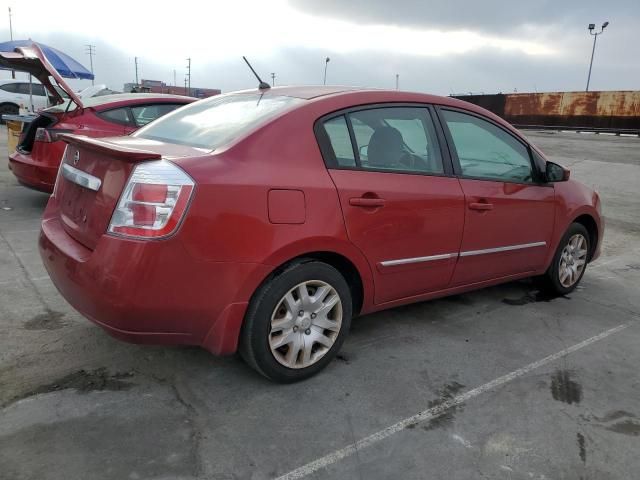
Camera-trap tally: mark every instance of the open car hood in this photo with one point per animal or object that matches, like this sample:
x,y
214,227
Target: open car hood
x,y
32,60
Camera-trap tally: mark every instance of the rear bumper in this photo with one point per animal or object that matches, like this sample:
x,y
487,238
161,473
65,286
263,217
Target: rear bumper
x,y
150,291
33,174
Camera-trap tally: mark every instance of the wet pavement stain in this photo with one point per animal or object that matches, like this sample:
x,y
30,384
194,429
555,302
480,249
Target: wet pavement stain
x,y
564,388
626,427
446,393
83,381
343,357
582,448
533,297
625,422
49,320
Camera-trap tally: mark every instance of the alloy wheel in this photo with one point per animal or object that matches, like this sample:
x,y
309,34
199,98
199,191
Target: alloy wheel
x,y
305,324
572,260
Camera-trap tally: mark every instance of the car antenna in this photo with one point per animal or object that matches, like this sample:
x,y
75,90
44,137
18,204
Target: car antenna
x,y
262,85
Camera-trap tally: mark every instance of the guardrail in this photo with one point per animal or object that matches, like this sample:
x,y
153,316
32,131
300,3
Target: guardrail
x,y
614,131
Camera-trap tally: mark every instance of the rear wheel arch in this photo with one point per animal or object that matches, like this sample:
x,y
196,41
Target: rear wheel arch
x,y
341,263
588,222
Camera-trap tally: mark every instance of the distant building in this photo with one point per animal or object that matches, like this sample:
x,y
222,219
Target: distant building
x,y
157,86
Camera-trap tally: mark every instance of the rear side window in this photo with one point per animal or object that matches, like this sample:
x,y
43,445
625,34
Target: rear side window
x,y
117,115
393,139
10,87
486,151
218,120
144,114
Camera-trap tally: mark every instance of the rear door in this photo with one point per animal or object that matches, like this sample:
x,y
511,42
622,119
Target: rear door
x,y
401,207
509,213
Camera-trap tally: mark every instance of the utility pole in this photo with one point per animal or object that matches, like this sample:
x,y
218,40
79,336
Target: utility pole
x,y
273,79
185,84
136,62
595,34
174,78
326,62
91,50
397,80
13,72
189,76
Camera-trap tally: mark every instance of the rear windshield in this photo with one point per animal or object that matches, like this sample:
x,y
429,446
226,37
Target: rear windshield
x,y
216,121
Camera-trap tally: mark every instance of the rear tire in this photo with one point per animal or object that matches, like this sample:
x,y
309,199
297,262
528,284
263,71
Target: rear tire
x,y
569,262
296,321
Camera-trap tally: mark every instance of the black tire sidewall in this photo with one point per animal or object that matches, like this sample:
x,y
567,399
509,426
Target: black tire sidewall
x,y
257,326
553,277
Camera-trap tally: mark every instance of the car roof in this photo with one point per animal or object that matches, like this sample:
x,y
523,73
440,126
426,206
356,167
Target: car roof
x,y
4,81
358,94
106,100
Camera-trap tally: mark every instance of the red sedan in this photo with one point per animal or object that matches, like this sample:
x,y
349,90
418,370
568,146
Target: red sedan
x,y
36,160
263,221
38,155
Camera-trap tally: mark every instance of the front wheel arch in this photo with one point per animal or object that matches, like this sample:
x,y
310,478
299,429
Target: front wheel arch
x,y
588,222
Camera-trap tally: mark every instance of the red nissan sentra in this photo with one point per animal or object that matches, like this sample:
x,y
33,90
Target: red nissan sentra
x,y
39,152
263,221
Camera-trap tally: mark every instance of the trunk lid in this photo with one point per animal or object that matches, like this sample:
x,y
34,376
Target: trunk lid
x,y
32,60
92,176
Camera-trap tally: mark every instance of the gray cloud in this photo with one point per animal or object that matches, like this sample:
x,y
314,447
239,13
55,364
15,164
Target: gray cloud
x,y
478,15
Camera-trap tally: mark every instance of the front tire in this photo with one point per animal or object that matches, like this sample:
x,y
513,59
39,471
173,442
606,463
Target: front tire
x,y
569,262
297,321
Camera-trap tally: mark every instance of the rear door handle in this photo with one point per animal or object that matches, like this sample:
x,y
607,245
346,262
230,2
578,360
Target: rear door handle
x,y
481,206
366,202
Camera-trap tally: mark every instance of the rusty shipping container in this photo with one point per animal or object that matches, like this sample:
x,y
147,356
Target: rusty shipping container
x,y
614,110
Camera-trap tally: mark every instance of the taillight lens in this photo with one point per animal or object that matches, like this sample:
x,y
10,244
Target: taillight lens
x,y
153,202
42,135
48,135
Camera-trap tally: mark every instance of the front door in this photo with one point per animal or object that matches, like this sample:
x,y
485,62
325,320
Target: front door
x,y
509,215
400,207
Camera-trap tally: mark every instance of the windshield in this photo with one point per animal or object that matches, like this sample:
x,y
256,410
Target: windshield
x,y
216,121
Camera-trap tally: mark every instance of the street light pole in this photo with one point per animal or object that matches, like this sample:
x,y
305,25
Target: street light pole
x,y
91,50
189,76
13,72
326,62
592,27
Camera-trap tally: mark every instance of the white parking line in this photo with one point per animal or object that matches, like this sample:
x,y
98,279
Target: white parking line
x,y
430,413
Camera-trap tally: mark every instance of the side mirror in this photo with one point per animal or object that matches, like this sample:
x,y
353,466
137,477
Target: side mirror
x,y
556,173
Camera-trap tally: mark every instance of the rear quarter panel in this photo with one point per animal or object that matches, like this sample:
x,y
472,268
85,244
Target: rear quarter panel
x,y
228,220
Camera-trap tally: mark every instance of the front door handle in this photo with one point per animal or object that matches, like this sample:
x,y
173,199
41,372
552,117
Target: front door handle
x,y
482,206
367,202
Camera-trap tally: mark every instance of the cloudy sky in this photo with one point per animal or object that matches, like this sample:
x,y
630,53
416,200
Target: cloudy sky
x,y
443,46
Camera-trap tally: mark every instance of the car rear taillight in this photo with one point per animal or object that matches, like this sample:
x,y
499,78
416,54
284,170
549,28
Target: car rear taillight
x,y
153,202
48,135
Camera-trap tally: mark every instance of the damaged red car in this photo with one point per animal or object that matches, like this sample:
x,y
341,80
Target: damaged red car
x,y
39,152
263,221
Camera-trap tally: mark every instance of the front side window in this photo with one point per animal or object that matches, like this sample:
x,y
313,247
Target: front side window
x,y
144,114
487,151
217,120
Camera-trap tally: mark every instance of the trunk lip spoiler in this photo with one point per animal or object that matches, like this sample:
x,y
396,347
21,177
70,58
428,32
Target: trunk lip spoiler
x,y
32,60
110,148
